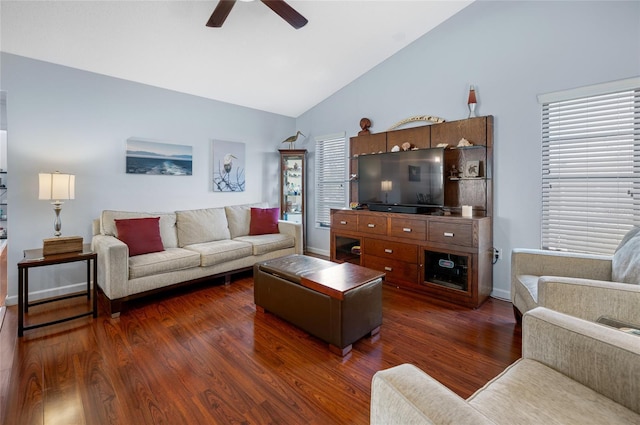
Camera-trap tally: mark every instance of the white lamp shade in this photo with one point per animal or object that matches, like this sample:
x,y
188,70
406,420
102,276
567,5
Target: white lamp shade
x,y
57,186
386,185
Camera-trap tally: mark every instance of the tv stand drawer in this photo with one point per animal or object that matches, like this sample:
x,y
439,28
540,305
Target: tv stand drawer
x,y
372,223
449,233
393,250
344,221
395,270
408,229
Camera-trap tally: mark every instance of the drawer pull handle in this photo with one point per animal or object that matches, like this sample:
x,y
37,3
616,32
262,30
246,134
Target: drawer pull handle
x,y
406,229
448,234
343,222
371,225
388,269
388,251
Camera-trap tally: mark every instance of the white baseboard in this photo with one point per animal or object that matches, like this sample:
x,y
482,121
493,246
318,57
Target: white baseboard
x,y
501,294
319,251
50,293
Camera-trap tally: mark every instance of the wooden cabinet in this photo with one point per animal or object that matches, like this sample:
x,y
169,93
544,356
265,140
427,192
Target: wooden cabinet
x,y
417,137
447,257
460,186
293,167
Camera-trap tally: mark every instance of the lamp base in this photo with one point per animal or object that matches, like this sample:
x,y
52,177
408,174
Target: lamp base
x,y
61,245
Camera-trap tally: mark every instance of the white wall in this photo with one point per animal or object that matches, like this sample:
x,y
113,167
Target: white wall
x,y
78,122
511,51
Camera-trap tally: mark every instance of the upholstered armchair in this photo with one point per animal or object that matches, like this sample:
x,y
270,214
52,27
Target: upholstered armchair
x,y
572,371
582,285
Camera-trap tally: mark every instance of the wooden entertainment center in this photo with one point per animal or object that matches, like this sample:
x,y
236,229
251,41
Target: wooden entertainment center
x,y
446,256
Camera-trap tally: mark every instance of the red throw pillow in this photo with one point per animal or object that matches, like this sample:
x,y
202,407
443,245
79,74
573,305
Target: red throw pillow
x,y
142,235
264,221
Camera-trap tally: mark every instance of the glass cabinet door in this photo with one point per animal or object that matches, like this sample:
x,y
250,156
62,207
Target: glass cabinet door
x,y
292,185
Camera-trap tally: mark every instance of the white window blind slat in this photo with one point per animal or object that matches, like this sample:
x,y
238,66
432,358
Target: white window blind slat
x,y
331,172
590,170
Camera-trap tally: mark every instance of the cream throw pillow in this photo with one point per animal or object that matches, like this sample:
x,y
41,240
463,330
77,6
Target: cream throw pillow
x,y
199,226
625,266
239,217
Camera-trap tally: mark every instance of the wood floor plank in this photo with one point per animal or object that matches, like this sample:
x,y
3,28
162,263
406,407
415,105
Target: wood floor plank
x,y
205,355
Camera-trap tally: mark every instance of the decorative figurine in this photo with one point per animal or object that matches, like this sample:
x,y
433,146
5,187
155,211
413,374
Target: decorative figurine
x,y
365,123
464,142
291,140
454,173
406,146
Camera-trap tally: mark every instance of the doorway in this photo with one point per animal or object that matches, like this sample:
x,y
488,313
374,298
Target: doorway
x,y
3,204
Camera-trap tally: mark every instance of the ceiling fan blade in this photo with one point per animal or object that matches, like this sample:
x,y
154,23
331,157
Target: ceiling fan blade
x,y
287,13
220,13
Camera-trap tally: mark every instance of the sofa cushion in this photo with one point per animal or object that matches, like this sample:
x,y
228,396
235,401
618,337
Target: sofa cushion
x,y
529,392
264,221
166,261
167,224
529,286
267,243
625,265
142,235
199,226
217,252
239,218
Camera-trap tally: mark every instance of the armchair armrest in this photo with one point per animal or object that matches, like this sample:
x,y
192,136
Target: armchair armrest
x,y
604,359
113,265
406,395
590,299
541,262
293,229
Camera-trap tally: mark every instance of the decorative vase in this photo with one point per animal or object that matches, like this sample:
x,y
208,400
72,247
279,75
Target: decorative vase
x,y
471,102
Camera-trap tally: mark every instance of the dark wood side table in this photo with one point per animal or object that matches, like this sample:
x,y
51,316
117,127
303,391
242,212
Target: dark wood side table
x,y
34,258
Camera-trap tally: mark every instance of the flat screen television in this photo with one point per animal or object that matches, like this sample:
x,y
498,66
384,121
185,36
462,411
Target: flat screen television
x,y
406,178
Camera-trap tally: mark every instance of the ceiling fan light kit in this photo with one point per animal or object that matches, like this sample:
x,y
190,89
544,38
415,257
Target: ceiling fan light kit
x,y
280,7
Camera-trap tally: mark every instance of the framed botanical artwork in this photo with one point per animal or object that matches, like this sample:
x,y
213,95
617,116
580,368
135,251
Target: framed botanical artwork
x,y
472,169
158,158
228,169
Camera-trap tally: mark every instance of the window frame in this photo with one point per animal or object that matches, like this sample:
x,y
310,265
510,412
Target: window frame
x,y
590,166
337,148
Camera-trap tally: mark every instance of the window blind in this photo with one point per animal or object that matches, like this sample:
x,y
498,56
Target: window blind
x,y
330,176
590,170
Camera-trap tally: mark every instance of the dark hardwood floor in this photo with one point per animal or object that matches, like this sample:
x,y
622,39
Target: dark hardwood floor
x,y
204,356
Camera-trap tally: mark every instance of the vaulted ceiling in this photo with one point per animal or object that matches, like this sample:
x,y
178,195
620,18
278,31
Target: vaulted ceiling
x,y
255,60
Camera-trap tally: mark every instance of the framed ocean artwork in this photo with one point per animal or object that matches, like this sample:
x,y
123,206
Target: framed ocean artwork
x,y
158,158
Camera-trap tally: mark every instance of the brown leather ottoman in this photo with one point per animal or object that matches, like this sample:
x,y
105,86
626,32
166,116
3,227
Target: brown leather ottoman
x,y
338,303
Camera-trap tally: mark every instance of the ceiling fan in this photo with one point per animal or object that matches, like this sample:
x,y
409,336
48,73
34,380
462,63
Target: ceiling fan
x,y
285,11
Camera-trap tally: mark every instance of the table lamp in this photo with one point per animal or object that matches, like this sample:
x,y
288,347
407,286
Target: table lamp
x,y
386,186
57,187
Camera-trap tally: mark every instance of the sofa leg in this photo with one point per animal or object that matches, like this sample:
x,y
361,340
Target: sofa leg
x,y
227,279
115,307
517,315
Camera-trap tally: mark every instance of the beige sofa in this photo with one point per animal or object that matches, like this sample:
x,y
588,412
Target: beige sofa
x,y
573,371
198,244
